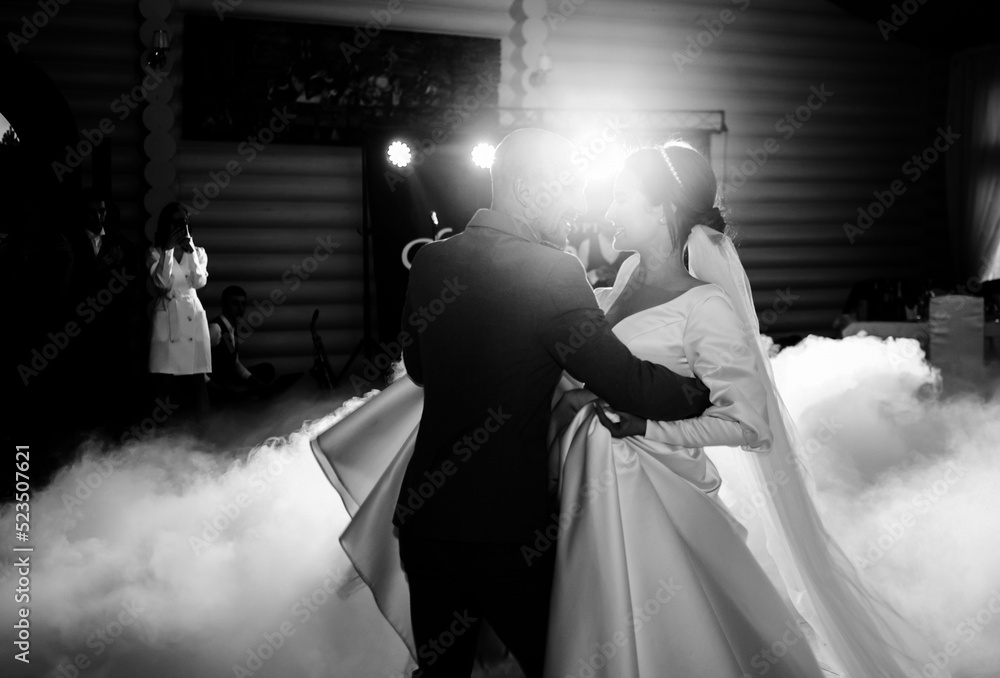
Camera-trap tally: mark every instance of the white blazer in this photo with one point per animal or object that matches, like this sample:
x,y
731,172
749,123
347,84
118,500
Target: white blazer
x,y
179,343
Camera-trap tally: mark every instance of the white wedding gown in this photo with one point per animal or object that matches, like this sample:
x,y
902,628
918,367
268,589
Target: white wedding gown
x,y
653,576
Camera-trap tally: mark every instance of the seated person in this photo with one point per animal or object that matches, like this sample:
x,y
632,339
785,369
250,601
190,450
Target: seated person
x,y
230,378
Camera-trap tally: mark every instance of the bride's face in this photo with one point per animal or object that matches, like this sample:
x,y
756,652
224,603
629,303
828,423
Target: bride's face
x,y
638,225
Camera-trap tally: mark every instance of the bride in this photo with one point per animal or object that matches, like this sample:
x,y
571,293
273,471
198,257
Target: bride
x,y
653,573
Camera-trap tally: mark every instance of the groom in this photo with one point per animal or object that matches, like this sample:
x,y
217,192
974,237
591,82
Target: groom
x,y
495,314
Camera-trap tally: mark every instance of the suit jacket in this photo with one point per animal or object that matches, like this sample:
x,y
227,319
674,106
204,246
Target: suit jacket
x,y
492,318
105,285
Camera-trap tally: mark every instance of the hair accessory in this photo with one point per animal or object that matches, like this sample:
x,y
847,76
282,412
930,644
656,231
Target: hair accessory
x,y
677,177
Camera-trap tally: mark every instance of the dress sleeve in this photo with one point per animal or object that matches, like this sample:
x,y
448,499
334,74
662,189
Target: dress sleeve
x,y
719,353
160,264
574,331
199,269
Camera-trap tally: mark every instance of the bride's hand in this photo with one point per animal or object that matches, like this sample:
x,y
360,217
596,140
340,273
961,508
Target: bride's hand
x,y
626,424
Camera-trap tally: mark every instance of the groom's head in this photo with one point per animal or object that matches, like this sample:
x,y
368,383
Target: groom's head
x,y
536,181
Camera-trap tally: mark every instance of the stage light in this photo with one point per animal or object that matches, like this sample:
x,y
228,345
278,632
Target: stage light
x,y
399,154
604,165
482,155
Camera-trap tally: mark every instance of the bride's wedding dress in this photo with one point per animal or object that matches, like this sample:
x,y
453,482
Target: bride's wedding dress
x,y
653,576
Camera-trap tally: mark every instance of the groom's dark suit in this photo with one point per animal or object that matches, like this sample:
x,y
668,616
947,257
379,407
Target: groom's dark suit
x,y
492,317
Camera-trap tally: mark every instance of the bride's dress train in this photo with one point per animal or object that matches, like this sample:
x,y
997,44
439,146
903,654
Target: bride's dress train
x,y
365,456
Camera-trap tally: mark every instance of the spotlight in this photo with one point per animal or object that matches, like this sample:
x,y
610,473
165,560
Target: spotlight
x,y
399,154
607,164
482,155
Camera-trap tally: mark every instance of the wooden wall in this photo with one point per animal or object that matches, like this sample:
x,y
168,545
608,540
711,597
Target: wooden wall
x,y
606,54
761,67
790,210
91,52
268,220
284,229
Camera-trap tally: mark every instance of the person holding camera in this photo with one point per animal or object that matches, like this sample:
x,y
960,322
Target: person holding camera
x,y
180,354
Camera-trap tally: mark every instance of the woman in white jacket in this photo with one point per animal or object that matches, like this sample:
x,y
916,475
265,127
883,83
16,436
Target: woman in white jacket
x,y
180,353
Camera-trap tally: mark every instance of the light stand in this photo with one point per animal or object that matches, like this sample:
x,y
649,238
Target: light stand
x,y
367,343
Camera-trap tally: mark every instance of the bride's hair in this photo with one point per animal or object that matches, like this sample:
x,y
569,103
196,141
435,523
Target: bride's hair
x,y
676,173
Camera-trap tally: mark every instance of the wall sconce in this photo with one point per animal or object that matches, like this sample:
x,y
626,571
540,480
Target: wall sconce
x,y
541,73
158,53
